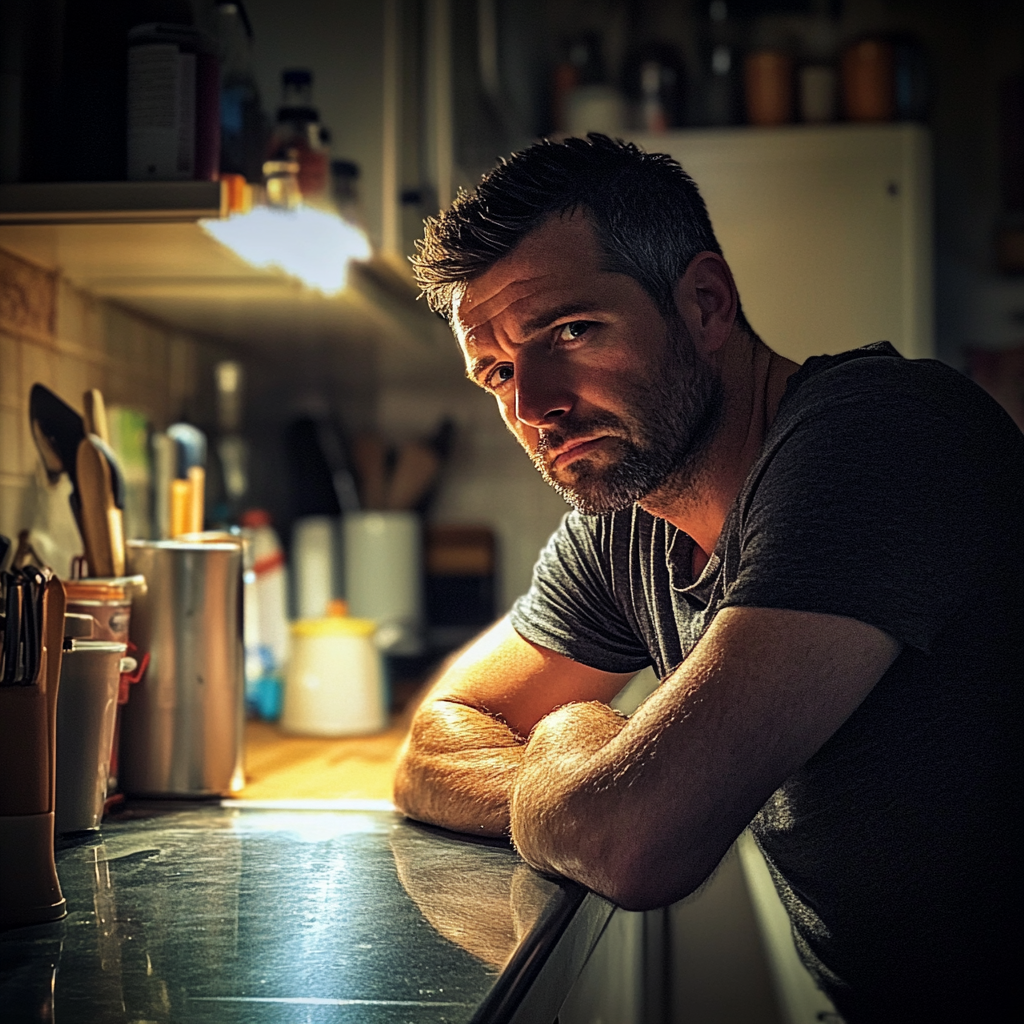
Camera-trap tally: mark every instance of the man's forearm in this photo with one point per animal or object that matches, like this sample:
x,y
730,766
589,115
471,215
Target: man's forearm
x,y
457,769
560,791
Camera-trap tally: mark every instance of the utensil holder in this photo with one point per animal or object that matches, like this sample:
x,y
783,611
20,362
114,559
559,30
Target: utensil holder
x,y
86,713
181,734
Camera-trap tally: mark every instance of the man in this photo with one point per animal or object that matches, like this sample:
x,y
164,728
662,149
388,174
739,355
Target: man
x,y
823,563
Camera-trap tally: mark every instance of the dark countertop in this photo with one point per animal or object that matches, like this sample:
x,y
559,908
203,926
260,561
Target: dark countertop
x,y
227,913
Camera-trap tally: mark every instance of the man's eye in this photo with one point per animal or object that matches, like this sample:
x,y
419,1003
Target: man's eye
x,y
501,374
575,329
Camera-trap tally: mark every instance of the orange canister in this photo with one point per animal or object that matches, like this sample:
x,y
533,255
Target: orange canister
x,y
768,85
868,80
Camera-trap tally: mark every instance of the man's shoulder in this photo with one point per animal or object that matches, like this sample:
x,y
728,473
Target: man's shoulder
x,y
876,382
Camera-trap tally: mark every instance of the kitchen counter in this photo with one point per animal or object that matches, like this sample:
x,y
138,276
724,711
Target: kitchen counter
x,y
233,911
283,767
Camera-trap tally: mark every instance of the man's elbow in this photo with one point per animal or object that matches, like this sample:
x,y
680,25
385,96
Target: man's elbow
x,y
640,879
615,862
404,788
641,889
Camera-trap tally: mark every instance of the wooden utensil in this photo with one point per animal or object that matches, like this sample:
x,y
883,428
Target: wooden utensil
x,y
188,491
181,502
95,416
102,522
370,456
196,498
414,472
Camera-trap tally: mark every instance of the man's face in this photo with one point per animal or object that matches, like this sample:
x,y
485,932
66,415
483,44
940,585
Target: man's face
x,y
606,396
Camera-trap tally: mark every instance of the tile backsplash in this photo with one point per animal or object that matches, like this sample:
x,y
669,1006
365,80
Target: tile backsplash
x,y
54,334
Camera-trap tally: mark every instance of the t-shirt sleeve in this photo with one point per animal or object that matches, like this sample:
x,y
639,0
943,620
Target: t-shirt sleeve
x,y
866,510
570,607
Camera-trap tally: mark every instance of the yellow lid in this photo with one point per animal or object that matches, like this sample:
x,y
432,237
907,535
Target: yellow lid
x,y
334,625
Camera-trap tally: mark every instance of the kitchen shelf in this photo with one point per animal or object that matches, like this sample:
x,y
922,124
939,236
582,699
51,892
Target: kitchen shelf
x,y
140,244
112,202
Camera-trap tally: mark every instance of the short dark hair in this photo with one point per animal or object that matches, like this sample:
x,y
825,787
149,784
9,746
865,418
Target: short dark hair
x,y
647,212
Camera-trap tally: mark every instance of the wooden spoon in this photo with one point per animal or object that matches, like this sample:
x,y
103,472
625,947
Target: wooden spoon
x,y
102,521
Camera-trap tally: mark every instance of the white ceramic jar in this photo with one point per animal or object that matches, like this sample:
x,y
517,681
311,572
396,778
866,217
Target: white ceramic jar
x,y
334,685
384,576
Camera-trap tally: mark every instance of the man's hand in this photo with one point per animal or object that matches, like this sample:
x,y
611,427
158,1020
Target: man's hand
x,y
457,768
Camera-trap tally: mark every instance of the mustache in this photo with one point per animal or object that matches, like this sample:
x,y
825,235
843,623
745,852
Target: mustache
x,y
550,439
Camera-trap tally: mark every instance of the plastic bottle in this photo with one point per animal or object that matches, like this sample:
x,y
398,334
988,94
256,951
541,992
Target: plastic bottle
x,y
243,128
266,627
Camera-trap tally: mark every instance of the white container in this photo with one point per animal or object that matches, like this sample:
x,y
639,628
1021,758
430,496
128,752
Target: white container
x,y
335,684
817,93
314,542
384,576
595,108
161,103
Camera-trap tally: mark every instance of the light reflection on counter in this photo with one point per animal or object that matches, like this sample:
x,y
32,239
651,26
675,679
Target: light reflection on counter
x,y
231,914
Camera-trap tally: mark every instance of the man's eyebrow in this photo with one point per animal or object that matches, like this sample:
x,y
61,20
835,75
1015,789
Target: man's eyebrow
x,y
549,316
535,323
476,367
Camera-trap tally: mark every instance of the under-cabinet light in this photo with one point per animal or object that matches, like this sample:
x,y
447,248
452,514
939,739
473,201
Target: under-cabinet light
x,y
312,245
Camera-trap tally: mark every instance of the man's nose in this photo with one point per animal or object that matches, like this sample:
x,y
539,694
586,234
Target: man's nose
x,y
543,392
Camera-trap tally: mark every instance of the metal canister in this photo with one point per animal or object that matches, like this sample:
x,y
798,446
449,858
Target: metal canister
x,y
182,729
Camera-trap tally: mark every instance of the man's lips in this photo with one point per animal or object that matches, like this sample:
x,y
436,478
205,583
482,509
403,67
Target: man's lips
x,y
576,448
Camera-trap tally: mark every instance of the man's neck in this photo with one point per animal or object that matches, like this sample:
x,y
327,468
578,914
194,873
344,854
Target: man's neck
x,y
753,381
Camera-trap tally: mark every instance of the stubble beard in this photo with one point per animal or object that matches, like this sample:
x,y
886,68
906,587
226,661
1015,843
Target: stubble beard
x,y
662,441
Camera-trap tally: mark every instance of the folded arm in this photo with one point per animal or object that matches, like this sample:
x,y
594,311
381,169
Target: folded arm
x,y
639,809
467,738
642,810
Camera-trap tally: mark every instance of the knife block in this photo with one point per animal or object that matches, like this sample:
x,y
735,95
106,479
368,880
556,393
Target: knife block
x,y
29,887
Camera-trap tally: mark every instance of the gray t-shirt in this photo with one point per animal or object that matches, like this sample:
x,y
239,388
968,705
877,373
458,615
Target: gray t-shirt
x,y
889,491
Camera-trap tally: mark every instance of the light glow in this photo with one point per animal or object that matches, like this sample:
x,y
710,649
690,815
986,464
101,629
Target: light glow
x,y
312,245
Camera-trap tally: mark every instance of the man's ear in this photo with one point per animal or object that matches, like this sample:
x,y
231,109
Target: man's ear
x,y
707,300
